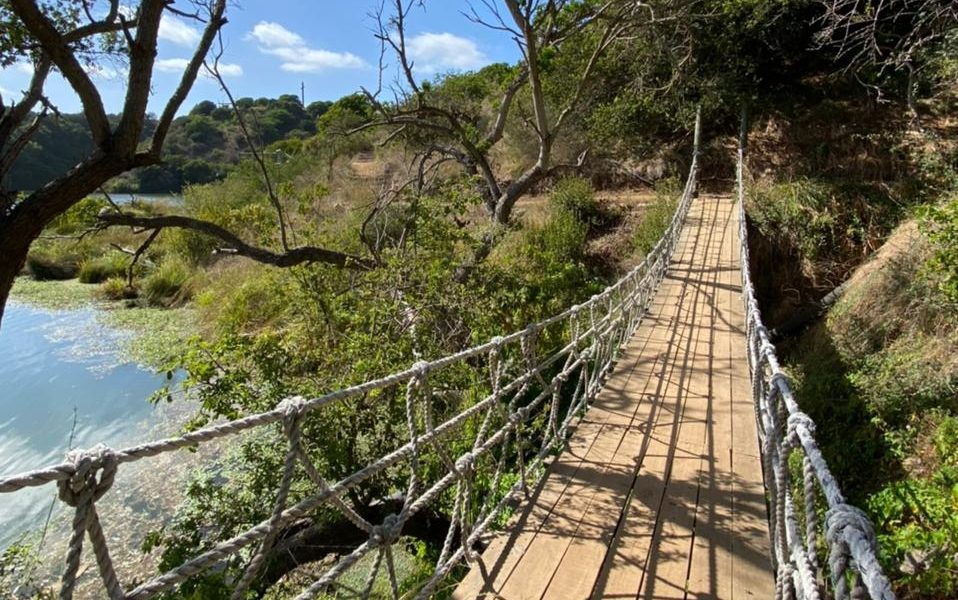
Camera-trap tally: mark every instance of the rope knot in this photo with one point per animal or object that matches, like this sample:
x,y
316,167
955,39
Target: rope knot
x,y
293,406
842,517
778,380
420,367
94,471
387,532
796,420
465,464
496,342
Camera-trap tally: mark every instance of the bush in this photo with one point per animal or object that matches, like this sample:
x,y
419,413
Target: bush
x,y
45,266
906,378
940,224
574,195
167,284
656,218
917,523
98,270
115,288
79,216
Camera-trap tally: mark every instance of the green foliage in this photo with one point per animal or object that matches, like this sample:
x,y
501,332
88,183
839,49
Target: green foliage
x,y
946,441
843,419
80,216
656,217
574,195
167,283
344,114
19,563
101,268
940,224
116,288
906,378
50,264
917,520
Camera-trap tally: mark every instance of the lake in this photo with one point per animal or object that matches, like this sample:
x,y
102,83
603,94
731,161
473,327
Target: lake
x,y
125,198
63,378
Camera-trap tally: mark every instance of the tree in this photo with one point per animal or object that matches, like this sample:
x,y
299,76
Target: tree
x,y
540,28
889,36
206,107
67,37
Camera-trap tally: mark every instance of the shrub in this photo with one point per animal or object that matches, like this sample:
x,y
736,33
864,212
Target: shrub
x,y
656,218
574,195
246,297
98,270
906,378
167,284
79,216
940,224
115,288
44,266
917,523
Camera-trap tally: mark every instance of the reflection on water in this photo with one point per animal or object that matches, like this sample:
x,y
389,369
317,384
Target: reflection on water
x,y
61,378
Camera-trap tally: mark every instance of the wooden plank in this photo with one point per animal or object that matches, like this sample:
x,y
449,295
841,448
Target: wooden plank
x,y
751,549
710,570
576,574
500,558
568,527
657,493
668,565
625,562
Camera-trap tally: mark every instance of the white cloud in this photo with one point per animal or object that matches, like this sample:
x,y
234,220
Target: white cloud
x,y
434,52
176,31
297,56
178,65
24,67
274,35
171,65
230,70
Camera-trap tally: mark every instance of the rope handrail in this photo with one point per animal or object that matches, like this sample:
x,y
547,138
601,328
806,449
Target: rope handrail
x,y
528,406
853,570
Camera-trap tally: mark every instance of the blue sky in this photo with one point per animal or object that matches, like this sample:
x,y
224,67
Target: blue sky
x,y
272,46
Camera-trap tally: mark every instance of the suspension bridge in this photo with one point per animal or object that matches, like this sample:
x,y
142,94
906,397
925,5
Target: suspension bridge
x,y
645,444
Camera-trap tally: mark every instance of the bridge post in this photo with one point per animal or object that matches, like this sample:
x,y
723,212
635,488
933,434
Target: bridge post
x,y
742,145
697,136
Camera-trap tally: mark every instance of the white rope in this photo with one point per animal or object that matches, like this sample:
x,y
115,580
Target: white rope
x,y
513,433
853,570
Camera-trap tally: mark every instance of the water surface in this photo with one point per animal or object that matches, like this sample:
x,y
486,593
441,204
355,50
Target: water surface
x,y
63,383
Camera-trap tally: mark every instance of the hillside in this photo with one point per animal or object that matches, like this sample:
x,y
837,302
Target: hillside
x,y
203,145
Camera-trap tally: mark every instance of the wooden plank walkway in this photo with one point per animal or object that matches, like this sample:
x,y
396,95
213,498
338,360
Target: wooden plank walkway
x,y
659,494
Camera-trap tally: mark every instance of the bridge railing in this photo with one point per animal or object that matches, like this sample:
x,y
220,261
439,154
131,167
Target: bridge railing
x,y
480,426
844,536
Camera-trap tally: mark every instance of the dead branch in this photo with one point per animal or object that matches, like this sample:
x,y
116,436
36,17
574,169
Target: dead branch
x,y
287,258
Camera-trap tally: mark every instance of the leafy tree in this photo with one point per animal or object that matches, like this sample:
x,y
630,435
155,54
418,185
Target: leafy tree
x,y
206,107
59,35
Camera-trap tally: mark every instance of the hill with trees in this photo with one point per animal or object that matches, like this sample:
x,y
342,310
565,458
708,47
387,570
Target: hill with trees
x,y
203,145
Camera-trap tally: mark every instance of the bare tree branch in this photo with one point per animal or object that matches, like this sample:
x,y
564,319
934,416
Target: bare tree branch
x,y
288,258
214,24
58,49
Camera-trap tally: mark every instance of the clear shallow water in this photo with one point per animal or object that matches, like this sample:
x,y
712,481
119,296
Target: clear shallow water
x,y
57,367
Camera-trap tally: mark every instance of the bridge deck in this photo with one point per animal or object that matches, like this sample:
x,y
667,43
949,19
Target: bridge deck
x,y
659,494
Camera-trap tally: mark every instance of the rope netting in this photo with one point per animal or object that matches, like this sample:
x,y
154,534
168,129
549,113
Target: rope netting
x,y
480,427
821,524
